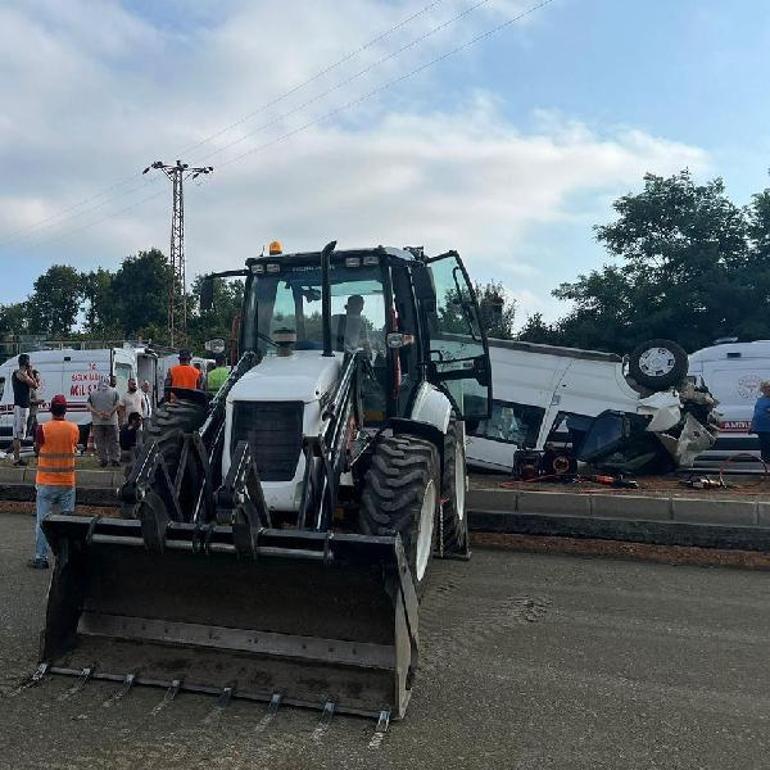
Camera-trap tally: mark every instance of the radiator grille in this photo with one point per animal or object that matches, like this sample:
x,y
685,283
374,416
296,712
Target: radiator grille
x,y
274,431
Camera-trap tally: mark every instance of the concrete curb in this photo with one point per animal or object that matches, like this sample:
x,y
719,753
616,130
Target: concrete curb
x,y
87,477
628,507
25,493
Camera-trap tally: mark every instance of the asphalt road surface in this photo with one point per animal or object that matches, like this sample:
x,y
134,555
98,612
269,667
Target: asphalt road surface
x,y
529,661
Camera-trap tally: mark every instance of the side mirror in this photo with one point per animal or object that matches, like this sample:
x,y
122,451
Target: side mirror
x,y
424,287
207,293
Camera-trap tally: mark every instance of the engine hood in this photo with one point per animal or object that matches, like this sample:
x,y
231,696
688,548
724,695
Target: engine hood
x,y
303,376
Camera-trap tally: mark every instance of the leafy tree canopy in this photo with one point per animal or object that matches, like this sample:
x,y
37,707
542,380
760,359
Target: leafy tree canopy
x,y
689,265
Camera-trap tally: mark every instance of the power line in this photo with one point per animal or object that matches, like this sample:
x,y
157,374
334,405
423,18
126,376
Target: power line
x,y
382,60
37,229
26,231
325,71
389,83
332,113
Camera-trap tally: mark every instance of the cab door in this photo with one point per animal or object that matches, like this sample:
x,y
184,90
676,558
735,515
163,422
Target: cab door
x,y
458,353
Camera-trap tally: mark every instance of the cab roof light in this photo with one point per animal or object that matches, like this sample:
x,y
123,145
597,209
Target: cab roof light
x,y
371,260
273,267
352,261
257,269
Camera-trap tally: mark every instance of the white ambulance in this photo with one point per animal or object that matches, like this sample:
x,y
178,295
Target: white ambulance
x,y
733,372
75,373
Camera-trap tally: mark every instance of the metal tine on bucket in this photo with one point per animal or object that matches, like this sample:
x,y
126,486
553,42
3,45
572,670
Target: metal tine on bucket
x,y
326,719
379,732
222,703
120,693
272,711
85,675
31,681
171,693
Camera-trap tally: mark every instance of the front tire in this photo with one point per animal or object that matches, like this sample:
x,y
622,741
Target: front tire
x,y
401,494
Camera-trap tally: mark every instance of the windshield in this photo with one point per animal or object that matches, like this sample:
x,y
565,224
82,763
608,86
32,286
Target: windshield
x,y
291,300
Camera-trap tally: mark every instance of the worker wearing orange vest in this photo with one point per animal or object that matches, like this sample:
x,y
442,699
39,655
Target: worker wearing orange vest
x,y
55,443
184,374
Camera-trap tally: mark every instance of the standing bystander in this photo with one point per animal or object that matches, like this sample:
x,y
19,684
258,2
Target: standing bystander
x,y
23,382
130,402
760,424
218,375
34,403
183,375
56,442
103,404
146,400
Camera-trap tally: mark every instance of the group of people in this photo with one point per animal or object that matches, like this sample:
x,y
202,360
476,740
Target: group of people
x,y
116,420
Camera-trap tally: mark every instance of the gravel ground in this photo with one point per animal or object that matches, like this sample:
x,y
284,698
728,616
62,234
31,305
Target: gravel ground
x,y
529,661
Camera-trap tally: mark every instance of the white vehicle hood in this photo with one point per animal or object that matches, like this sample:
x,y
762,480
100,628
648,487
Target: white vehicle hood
x,y
303,376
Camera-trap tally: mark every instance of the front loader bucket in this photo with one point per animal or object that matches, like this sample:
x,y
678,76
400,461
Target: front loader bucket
x,y
308,618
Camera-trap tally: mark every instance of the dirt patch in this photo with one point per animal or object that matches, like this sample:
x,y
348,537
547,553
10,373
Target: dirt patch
x,y
665,554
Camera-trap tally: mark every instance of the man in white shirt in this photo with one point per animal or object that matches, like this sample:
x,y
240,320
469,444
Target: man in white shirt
x,y
131,402
146,400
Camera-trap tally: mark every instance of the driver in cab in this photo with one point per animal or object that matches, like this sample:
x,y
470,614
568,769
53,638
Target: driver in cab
x,y
349,330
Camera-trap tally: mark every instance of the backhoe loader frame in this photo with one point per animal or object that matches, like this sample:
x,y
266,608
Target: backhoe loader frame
x,y
224,548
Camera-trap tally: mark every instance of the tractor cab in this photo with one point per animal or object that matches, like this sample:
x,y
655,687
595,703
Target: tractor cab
x,y
412,319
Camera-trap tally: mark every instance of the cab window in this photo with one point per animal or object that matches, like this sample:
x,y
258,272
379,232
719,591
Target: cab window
x,y
511,423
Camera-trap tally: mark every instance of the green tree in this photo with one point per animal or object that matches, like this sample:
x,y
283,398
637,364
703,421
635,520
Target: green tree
x,y
140,290
497,310
55,301
218,321
101,309
14,319
535,329
686,269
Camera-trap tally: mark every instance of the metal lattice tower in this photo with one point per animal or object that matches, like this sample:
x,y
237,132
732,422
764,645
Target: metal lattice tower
x,y
177,305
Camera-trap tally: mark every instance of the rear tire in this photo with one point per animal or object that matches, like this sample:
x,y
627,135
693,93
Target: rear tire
x,y
453,490
401,494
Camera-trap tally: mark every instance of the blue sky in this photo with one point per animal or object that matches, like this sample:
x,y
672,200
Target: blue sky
x,y
509,151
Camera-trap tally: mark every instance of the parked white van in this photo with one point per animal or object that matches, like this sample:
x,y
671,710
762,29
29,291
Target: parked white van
x,y
549,395
733,372
75,373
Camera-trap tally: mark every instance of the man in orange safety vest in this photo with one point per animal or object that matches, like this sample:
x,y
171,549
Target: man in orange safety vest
x,y
56,442
184,374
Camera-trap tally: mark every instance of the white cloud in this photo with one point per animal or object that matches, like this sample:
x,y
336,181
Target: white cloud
x,y
398,172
